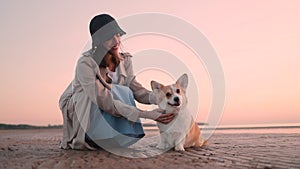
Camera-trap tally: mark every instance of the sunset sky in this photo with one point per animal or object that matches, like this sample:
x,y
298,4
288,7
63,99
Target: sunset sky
x,y
257,42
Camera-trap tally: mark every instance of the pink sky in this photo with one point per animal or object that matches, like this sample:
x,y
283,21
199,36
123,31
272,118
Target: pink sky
x,y
257,43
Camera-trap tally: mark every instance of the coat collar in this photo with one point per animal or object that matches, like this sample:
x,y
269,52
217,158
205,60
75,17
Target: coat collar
x,y
121,69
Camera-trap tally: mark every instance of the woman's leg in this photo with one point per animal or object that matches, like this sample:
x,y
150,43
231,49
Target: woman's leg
x,y
109,131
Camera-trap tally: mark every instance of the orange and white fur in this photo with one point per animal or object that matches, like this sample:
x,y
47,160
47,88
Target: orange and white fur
x,y
182,132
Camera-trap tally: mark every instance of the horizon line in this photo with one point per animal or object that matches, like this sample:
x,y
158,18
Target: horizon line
x,y
204,126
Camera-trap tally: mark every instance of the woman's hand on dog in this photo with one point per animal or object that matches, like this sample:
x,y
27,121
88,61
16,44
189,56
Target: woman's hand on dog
x,y
157,115
165,118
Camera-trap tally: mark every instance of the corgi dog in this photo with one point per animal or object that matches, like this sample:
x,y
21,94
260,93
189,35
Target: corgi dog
x,y
182,132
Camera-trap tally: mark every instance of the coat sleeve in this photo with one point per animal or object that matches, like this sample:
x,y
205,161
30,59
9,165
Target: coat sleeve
x,y
140,93
100,95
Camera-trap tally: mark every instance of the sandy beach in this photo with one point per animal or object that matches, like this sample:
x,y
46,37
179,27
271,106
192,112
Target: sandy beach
x,y
38,148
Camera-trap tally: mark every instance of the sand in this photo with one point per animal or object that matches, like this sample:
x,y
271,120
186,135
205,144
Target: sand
x,y
39,149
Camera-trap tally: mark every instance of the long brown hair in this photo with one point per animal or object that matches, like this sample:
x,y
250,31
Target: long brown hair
x,y
110,60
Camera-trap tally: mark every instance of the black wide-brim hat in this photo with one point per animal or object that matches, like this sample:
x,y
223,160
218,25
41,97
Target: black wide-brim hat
x,y
103,27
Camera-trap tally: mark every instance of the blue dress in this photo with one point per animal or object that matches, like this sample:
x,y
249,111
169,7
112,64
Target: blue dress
x,y
108,131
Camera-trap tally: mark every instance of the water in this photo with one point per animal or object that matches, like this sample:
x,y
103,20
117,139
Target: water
x,y
261,131
235,129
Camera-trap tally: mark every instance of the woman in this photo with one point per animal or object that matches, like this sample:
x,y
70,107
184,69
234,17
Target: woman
x,y
98,105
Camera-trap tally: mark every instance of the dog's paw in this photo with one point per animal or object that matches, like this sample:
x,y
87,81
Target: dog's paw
x,y
179,148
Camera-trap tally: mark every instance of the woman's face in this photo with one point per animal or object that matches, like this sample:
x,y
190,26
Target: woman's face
x,y
113,44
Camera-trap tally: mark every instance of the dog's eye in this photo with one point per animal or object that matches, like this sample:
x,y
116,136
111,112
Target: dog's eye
x,y
168,94
178,91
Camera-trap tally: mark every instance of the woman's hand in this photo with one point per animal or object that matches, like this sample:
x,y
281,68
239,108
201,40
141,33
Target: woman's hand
x,y
157,115
165,118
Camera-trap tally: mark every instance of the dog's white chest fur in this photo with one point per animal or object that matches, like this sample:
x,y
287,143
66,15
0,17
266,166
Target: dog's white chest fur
x,y
174,132
180,123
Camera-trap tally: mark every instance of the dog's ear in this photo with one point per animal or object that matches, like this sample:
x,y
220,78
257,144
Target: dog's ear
x,y
183,81
156,85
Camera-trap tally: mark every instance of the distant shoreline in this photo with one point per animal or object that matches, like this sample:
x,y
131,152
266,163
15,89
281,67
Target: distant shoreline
x,y
149,127
26,126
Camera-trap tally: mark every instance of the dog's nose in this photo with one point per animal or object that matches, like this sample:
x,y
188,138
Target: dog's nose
x,y
176,99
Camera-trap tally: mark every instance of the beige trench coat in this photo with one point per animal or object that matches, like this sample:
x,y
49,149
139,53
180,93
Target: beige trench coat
x,y
76,100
